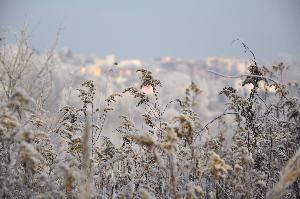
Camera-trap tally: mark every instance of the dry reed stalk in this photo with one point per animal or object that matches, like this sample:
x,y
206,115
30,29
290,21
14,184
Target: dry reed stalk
x,y
173,180
288,175
86,180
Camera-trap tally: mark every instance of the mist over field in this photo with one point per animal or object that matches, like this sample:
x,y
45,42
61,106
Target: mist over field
x,y
145,100
111,75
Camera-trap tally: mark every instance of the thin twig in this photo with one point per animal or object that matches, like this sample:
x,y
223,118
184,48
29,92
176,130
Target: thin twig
x,y
216,118
243,75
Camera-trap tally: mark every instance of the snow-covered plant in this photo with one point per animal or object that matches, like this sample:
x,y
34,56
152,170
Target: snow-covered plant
x,y
248,151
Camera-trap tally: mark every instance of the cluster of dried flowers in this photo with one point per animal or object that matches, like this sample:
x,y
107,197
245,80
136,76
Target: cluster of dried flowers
x,y
70,157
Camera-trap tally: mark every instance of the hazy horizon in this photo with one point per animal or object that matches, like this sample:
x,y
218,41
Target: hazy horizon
x,y
145,30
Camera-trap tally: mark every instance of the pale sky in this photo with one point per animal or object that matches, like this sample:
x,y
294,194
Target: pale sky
x,y
150,29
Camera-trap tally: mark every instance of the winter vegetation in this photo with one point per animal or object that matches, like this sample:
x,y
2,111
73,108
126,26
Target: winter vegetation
x,y
213,134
